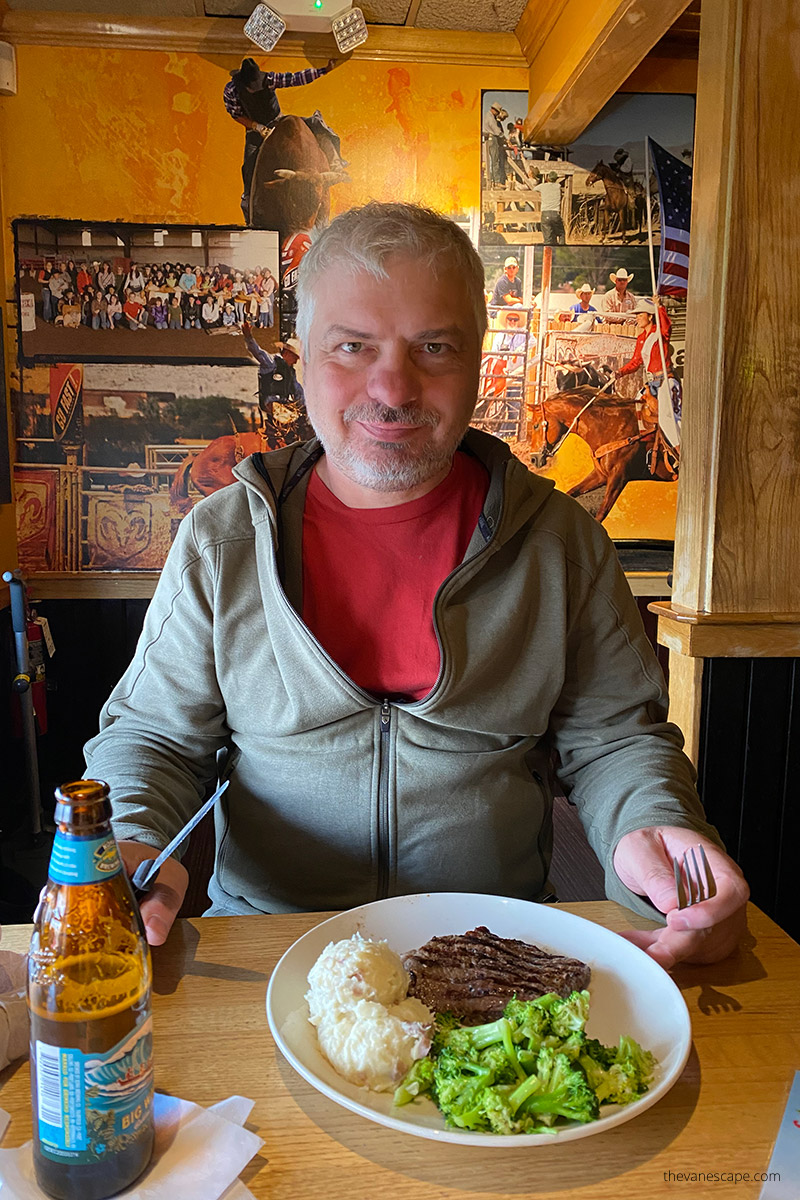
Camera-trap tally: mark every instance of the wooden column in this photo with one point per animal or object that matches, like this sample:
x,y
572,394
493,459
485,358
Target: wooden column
x,y
736,589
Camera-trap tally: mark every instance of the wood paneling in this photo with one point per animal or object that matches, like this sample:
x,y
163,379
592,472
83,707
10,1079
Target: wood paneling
x,y
738,519
580,55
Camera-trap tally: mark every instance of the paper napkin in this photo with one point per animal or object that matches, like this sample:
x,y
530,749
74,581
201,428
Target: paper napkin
x,y
198,1155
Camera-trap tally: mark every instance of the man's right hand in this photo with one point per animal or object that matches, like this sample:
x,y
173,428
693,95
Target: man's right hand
x,y
160,906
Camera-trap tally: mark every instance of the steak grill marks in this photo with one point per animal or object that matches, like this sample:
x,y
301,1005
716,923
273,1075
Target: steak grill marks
x,y
475,974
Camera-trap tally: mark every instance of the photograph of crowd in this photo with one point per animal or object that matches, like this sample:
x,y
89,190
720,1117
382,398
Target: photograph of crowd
x,y
133,293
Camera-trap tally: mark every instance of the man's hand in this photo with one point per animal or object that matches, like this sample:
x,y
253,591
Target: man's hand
x,y
333,63
703,933
160,906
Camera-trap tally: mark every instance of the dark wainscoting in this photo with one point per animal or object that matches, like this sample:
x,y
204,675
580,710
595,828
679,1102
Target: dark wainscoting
x,y
749,774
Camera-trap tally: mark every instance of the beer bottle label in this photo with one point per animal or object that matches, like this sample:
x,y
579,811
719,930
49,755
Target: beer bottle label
x,y
92,1106
83,860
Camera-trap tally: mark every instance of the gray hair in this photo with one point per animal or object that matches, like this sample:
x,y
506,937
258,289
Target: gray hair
x,y
362,239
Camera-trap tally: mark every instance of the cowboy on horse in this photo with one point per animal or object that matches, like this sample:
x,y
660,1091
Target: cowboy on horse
x,y
648,354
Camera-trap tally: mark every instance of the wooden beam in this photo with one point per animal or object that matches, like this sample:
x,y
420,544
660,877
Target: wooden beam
x,y
223,35
727,635
579,55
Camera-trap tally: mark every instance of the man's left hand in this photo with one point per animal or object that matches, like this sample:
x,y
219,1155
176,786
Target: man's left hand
x,y
703,933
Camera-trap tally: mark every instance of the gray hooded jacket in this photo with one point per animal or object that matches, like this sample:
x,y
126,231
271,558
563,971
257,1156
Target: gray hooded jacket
x,y
337,797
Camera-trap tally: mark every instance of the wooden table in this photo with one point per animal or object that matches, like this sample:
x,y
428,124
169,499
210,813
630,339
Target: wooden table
x,y
212,1040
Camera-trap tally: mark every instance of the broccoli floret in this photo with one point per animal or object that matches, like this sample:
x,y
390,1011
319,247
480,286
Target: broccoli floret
x,y
458,1088
497,1031
497,1060
459,1041
643,1062
570,1015
573,1045
619,1085
562,1091
604,1056
502,1118
418,1080
529,1019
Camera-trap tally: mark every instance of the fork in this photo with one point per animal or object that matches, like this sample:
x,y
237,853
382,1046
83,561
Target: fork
x,y
700,883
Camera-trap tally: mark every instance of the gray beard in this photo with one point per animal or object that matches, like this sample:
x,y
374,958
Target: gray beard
x,y
391,466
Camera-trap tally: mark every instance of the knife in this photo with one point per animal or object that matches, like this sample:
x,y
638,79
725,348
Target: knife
x,y
145,874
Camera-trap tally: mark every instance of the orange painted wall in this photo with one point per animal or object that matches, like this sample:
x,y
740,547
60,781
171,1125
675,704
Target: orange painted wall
x,y
139,135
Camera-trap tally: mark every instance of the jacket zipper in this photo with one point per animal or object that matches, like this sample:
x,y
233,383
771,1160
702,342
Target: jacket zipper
x,y
383,801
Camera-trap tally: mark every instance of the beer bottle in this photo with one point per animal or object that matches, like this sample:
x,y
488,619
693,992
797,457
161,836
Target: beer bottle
x,y
89,1001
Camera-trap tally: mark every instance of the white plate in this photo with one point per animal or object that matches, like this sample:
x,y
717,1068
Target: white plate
x,y
631,995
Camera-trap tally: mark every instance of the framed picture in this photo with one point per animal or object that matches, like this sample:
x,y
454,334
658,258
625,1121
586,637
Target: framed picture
x,y
92,293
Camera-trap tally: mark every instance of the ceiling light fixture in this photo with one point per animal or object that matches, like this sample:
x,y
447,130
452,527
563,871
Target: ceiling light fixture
x,y
268,22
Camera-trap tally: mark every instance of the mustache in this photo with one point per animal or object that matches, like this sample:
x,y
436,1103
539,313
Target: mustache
x,y
383,414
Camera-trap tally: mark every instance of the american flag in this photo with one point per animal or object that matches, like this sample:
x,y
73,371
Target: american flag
x,y
675,197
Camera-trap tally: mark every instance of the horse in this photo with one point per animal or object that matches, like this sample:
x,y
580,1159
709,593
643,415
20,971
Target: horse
x,y
623,199
608,424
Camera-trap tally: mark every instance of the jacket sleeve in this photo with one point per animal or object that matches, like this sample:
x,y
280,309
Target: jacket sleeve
x,y
163,724
621,762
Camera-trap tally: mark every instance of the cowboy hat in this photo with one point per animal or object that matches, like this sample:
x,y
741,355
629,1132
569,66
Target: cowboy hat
x,y
644,305
621,274
495,108
293,345
585,287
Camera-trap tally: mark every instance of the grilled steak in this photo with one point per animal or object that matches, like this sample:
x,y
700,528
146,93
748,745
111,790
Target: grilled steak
x,y
475,974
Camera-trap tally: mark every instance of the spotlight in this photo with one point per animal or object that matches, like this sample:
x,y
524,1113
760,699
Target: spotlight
x,y
264,27
349,29
267,23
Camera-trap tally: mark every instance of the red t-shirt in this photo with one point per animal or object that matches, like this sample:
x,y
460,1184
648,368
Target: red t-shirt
x,y
370,576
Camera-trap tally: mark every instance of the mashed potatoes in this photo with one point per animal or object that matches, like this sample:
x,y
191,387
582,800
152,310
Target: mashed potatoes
x,y
367,1028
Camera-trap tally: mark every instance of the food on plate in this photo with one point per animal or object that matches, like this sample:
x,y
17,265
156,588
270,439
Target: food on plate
x,y
473,975
527,1071
367,1028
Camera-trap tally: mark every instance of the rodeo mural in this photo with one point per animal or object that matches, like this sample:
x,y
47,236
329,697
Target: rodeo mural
x,y
153,359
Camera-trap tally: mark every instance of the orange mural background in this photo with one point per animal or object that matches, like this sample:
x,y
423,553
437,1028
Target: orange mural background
x,y
98,134
137,135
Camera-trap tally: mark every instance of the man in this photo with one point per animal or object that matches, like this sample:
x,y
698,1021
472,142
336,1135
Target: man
x,y
647,354
619,302
277,379
552,223
391,631
250,98
508,289
502,382
494,143
581,311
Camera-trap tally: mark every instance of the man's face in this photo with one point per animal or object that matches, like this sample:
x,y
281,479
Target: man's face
x,y
511,270
391,377
621,286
